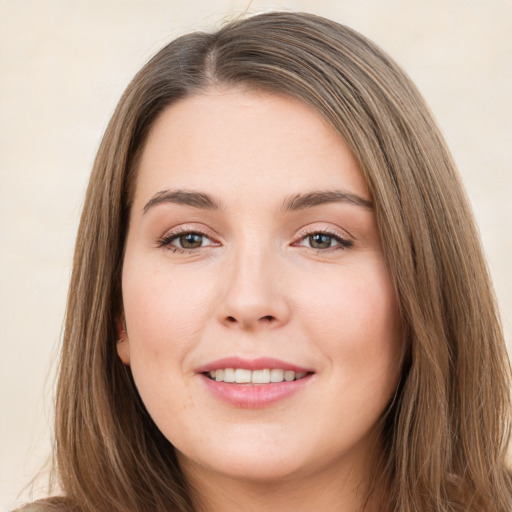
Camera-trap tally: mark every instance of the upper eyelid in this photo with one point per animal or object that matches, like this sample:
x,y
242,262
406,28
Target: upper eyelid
x,y
337,232
188,228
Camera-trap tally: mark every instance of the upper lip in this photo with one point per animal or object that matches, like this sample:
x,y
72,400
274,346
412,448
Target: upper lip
x,y
260,363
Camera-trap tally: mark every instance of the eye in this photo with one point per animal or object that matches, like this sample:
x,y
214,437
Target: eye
x,y
324,241
186,241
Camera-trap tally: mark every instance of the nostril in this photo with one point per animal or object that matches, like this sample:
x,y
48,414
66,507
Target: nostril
x,y
266,318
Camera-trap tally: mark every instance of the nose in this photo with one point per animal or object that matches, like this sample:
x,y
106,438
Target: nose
x,y
253,294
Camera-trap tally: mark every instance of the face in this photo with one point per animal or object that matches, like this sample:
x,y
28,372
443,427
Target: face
x,y
261,324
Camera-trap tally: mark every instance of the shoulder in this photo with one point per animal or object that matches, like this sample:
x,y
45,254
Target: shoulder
x,y
31,508
48,505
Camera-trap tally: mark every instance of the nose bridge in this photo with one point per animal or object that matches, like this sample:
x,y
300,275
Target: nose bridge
x,y
253,296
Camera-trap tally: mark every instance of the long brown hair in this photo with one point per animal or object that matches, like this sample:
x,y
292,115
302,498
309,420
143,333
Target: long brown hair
x,y
446,434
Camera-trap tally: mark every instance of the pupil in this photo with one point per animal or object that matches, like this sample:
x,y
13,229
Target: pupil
x,y
191,240
320,241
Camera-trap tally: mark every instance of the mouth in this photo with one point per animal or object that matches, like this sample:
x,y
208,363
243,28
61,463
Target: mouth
x,y
246,376
255,383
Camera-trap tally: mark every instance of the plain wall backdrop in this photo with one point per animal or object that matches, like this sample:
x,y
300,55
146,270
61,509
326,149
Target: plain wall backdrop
x,y
64,65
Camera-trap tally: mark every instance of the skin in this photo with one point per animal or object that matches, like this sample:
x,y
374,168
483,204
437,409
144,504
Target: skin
x,y
256,287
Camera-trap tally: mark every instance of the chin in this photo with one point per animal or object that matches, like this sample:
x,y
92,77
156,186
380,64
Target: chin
x,y
254,462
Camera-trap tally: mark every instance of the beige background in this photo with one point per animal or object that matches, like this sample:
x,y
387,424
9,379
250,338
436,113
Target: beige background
x,y
63,66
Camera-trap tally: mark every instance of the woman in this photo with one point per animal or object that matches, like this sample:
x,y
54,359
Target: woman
x,y
279,299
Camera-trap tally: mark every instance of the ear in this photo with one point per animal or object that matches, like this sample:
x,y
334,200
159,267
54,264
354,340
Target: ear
x,y
123,343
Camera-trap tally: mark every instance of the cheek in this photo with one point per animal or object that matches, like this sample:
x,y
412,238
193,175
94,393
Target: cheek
x,y
163,309
357,328
164,319
356,323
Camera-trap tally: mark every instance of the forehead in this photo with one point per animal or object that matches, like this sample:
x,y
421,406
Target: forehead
x,y
246,141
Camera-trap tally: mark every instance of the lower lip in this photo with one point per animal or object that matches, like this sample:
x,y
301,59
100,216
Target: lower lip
x,y
255,395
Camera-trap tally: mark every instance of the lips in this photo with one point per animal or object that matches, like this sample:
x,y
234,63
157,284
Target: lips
x,y
260,363
253,383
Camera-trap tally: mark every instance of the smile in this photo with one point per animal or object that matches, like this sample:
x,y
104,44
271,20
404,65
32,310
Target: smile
x,y
254,383
245,376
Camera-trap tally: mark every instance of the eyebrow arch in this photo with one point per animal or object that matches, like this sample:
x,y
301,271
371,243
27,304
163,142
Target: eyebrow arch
x,y
195,199
303,201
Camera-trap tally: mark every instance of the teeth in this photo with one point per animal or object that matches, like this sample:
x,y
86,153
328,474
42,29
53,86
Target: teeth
x,y
276,375
229,375
260,377
289,376
243,376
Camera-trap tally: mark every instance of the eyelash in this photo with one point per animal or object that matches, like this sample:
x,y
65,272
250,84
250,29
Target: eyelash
x,y
168,238
343,242
166,241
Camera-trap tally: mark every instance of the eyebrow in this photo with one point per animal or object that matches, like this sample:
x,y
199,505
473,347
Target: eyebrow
x,y
189,198
303,201
293,203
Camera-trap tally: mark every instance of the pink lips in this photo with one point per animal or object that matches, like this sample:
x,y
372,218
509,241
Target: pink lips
x,y
254,364
253,395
